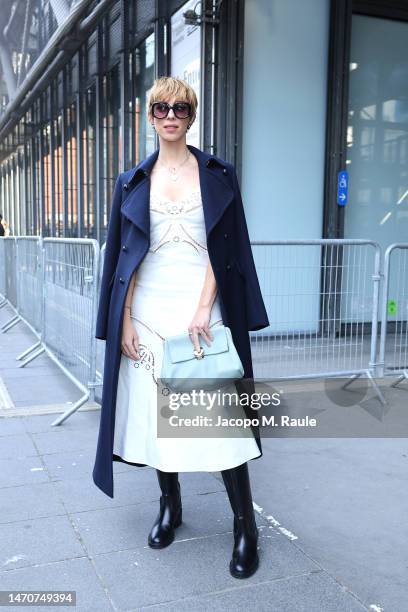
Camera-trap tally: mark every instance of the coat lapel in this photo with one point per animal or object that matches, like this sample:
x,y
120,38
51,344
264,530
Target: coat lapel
x,y
216,191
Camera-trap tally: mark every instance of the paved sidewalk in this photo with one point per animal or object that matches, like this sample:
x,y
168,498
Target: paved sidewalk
x,y
329,512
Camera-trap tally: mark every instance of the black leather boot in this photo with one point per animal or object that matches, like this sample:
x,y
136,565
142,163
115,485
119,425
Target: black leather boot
x,y
162,532
245,558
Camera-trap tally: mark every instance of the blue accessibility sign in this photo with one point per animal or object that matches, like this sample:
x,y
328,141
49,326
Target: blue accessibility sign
x,y
342,187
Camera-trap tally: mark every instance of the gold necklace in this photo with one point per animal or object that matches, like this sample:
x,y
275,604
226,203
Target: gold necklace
x,y
173,169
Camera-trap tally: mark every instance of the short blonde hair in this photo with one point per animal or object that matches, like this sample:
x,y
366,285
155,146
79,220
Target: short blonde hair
x,y
167,87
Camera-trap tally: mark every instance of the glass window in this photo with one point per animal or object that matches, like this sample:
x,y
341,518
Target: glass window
x,y
58,176
47,194
88,163
186,60
143,77
377,138
71,161
111,143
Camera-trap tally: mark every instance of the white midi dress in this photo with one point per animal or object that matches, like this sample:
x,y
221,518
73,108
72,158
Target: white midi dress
x,y
168,285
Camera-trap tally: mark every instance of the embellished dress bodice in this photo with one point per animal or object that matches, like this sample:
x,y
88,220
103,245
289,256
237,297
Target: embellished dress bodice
x,y
177,221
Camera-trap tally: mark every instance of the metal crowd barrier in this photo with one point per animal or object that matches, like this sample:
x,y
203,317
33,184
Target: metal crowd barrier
x,y
393,358
9,271
8,274
71,268
319,295
23,284
29,281
3,290
56,294
322,299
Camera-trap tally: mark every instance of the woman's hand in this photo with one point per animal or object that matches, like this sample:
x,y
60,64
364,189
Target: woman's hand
x,y
200,325
130,339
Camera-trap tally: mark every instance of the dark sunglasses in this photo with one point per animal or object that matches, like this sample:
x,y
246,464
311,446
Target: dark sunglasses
x,y
182,110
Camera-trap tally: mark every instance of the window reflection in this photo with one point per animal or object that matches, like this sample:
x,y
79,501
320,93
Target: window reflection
x,y
377,133
377,138
142,133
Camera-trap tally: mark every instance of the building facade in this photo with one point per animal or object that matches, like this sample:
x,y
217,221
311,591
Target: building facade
x,y
293,93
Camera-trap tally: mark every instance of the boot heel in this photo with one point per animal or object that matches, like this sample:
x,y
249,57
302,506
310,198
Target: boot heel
x,y
178,520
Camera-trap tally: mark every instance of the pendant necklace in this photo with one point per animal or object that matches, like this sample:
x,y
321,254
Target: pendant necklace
x,y
173,169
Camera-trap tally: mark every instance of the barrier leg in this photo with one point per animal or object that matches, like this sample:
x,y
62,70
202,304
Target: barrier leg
x,y
24,363
70,411
27,351
404,376
372,381
9,324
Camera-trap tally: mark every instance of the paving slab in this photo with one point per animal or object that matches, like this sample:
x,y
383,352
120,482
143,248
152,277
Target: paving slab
x,y
77,574
191,568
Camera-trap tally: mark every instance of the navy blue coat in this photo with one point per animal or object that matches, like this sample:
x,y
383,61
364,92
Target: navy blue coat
x,y
128,240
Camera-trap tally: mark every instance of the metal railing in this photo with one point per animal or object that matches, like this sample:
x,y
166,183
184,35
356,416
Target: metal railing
x,y
322,297
393,358
70,285
52,286
3,287
29,281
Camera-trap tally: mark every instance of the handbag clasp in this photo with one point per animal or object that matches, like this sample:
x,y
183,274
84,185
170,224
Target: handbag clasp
x,y
199,354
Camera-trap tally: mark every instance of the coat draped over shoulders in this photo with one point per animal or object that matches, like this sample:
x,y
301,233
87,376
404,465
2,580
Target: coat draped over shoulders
x,y
127,242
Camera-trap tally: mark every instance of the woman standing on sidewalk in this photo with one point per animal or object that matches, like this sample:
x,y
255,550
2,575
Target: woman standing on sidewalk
x,y
157,246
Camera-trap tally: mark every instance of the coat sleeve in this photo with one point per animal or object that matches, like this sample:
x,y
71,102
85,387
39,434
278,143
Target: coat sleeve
x,y
112,249
257,317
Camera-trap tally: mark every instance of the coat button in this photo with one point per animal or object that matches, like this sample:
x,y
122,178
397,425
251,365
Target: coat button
x,y
228,266
125,186
121,280
124,248
208,162
225,235
225,171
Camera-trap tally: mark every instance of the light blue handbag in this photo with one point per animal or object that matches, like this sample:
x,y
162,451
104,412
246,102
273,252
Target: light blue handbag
x,y
212,367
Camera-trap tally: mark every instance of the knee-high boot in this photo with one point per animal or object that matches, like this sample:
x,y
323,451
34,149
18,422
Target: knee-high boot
x,y
170,514
245,558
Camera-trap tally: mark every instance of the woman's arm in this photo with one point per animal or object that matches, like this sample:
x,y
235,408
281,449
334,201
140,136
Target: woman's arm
x,y
209,290
200,321
129,295
130,338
